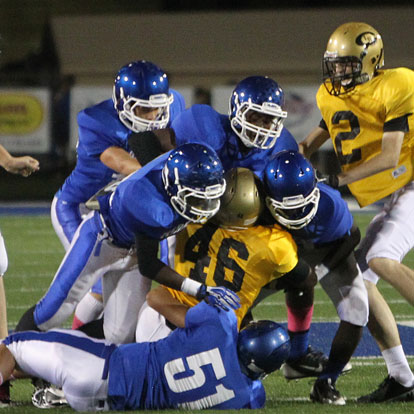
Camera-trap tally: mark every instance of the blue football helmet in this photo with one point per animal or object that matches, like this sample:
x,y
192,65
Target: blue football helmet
x,y
142,84
292,194
193,177
262,347
264,96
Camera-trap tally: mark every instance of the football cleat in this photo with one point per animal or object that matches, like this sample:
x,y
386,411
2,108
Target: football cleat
x,y
309,365
389,391
324,392
48,397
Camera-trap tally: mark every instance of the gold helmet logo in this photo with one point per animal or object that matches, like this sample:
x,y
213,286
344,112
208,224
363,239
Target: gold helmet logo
x,y
366,39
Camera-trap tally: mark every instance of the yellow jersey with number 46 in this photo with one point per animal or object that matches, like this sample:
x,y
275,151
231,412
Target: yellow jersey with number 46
x,y
243,260
356,122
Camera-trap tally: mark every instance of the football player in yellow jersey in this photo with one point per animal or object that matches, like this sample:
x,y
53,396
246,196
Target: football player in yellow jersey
x,y
243,257
369,115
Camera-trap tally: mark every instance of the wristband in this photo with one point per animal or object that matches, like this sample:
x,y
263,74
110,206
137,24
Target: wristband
x,y
321,270
190,286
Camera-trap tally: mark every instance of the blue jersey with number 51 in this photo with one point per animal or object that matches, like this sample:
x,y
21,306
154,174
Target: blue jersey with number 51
x,y
193,368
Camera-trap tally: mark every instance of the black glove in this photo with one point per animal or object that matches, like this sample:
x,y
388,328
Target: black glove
x,y
330,179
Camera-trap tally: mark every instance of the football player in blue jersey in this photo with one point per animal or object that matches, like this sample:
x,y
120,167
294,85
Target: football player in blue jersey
x,y
182,371
181,186
323,227
107,149
251,132
141,101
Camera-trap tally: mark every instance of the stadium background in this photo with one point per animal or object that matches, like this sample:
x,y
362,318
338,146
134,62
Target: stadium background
x,y
55,52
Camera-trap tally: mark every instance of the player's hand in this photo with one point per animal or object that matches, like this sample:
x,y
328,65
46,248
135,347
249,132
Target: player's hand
x,y
330,179
219,297
22,165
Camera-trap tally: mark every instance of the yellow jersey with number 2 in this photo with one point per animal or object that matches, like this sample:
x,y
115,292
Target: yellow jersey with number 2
x,y
356,123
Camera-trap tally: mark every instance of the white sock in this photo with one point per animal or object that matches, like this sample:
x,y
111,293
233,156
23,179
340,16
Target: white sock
x,y
397,365
88,309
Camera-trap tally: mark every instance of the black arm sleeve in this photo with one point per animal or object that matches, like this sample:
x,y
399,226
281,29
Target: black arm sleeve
x,y
397,124
145,146
153,268
147,251
323,125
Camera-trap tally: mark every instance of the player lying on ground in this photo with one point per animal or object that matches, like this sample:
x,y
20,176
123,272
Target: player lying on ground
x,y
206,364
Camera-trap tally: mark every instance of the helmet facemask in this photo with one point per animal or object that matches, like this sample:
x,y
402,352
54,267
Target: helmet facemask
x,y
135,123
294,212
254,136
194,204
342,74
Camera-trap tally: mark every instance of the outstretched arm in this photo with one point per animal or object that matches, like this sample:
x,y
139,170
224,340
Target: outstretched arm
x,y
24,166
119,160
148,145
161,300
387,158
145,145
313,141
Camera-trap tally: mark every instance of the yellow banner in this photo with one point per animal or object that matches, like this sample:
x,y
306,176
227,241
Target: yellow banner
x,y
19,114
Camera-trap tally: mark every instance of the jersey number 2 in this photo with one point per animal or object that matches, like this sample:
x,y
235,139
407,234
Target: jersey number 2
x,y
346,136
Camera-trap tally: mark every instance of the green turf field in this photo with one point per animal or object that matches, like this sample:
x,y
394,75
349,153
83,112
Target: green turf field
x,y
35,253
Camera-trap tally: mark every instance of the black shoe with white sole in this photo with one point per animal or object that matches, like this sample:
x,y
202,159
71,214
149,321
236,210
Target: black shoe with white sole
x,y
389,391
309,365
324,392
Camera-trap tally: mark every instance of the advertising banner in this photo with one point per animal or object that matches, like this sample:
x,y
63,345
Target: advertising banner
x,y
25,122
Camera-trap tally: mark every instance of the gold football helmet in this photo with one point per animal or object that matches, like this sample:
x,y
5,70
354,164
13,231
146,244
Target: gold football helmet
x,y
241,203
353,55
